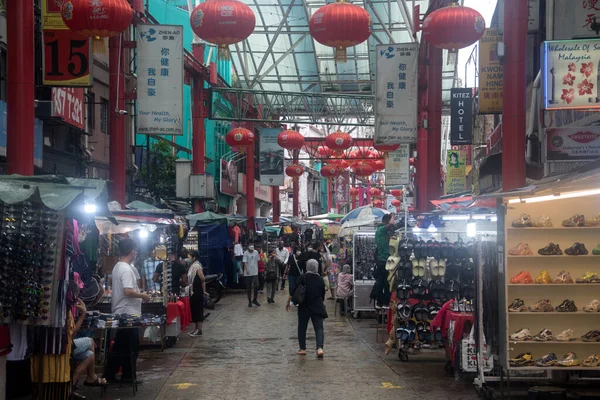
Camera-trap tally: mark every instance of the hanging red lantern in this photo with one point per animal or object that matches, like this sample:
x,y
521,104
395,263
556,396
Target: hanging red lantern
x,y
396,192
374,192
386,148
290,140
377,203
340,163
363,169
396,203
239,137
338,141
453,27
86,18
377,164
324,152
223,22
294,170
354,191
329,171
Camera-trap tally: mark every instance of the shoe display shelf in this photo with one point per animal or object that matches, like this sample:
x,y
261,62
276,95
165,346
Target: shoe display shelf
x,y
581,293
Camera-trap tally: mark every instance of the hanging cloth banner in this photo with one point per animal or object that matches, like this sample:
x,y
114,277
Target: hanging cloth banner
x,y
397,166
456,176
461,116
342,188
271,158
396,94
160,79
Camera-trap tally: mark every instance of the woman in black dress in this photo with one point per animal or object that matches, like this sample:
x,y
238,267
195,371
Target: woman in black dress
x,y
197,292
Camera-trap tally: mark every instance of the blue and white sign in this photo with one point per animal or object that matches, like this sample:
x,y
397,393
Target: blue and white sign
x,y
396,93
160,79
38,137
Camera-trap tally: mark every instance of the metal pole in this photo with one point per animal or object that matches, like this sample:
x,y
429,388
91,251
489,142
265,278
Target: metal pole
x,y
276,204
515,85
117,120
422,141
329,196
20,93
198,128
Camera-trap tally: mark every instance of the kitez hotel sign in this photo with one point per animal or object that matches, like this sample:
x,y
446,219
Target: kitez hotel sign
x,y
570,74
461,116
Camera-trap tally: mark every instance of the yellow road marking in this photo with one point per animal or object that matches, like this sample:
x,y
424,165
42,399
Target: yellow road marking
x,y
184,386
389,385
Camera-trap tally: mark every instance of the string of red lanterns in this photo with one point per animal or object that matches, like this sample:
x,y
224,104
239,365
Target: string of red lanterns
x,y
338,141
294,170
453,27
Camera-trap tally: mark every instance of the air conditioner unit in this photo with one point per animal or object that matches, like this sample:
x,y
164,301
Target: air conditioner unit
x,y
202,186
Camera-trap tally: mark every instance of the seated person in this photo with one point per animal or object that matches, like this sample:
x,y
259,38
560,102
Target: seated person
x,y
345,284
83,353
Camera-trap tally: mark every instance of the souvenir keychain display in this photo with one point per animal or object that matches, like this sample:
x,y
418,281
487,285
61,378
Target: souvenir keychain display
x,y
29,260
365,258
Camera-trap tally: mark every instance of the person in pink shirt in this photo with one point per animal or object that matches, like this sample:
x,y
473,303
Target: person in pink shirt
x,y
236,233
345,283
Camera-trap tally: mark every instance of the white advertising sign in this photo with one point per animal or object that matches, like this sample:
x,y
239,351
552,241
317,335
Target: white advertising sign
x,y
160,79
570,74
397,166
396,93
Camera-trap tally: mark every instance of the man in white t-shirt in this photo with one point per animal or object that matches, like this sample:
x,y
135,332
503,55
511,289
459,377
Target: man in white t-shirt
x,y
126,299
250,260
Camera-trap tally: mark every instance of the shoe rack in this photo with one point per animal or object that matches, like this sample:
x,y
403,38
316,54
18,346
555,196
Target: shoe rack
x,y
581,293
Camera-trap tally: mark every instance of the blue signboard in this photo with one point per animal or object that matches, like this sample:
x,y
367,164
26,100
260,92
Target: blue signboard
x,y
38,131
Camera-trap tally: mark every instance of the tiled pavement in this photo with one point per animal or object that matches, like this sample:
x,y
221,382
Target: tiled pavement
x,y
249,353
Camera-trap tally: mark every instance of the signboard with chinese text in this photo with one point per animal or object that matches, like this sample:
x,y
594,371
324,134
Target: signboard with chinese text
x,y
461,116
573,143
397,166
570,74
396,93
491,73
160,79
271,157
68,105
587,12
342,188
456,177
229,178
67,56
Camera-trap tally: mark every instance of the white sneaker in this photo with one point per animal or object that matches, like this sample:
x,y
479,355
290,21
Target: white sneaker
x,y
193,333
521,335
565,336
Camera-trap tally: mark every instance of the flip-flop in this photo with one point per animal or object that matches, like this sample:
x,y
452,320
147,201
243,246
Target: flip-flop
x,y
97,382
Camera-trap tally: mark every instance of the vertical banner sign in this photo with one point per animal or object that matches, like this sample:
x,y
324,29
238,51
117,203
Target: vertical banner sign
x,y
456,176
67,56
68,105
229,178
461,116
396,94
160,79
491,73
397,166
271,158
570,74
342,188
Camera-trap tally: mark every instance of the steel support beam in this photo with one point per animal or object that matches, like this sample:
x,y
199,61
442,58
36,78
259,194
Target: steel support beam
x,y
118,138
280,59
385,28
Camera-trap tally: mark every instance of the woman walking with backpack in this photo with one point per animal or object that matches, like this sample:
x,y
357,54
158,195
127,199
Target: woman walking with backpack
x,y
311,307
272,268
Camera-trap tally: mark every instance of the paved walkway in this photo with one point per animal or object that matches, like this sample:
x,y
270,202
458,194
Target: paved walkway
x,y
251,353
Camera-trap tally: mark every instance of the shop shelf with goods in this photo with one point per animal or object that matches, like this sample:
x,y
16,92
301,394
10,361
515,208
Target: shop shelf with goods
x,y
557,267
364,261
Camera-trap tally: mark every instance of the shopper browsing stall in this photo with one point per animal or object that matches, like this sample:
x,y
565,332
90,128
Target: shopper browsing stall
x,y
126,299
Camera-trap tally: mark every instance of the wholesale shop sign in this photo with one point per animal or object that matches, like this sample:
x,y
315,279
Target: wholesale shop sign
x,y
396,94
461,116
573,144
397,166
160,79
570,74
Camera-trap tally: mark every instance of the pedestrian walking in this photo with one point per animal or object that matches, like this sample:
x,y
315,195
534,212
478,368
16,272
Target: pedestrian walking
x,y
262,262
312,308
283,255
293,269
197,293
250,261
271,275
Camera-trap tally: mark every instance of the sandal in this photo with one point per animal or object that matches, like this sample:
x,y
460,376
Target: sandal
x,y
96,382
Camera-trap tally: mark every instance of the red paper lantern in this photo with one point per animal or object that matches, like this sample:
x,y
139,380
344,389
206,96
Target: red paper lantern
x,y
377,164
338,141
354,191
223,22
396,203
374,192
239,137
294,170
329,171
104,19
396,192
386,148
363,169
340,25
324,152
378,203
290,140
453,27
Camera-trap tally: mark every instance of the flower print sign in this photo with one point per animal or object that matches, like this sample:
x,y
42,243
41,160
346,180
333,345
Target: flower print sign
x,y
570,78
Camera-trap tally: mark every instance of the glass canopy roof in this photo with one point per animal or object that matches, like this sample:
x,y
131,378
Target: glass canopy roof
x,y
282,56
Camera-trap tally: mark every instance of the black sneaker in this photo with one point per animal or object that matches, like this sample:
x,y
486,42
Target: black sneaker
x,y
249,304
256,303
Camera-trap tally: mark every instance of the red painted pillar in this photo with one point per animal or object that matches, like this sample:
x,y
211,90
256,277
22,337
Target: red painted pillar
x,y
434,113
198,129
515,86
20,83
421,163
329,196
250,181
296,187
276,204
116,103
